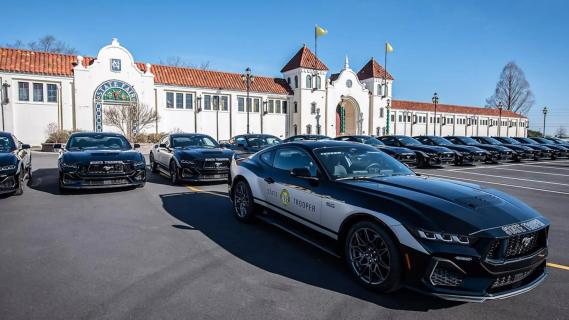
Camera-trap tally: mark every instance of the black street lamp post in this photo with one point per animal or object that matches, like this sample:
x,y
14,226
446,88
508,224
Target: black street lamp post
x,y
317,120
4,100
248,78
435,102
545,111
500,108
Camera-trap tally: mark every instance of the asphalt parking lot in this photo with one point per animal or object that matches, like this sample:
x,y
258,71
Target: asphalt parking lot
x,y
176,252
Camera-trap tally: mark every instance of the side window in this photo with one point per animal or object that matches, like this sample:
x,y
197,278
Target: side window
x,y
240,140
290,158
268,157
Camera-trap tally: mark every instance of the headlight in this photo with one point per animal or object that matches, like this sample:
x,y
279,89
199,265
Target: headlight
x,y
69,165
190,162
444,237
139,165
8,167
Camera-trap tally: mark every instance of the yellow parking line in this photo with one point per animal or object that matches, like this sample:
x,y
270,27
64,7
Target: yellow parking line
x,y
558,266
194,189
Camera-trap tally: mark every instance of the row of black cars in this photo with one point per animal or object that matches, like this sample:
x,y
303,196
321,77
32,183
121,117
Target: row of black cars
x,y
103,160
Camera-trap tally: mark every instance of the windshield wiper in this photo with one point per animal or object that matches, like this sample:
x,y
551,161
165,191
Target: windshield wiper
x,y
362,178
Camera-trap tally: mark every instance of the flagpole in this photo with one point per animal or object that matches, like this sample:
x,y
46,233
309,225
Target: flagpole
x,y
385,88
316,57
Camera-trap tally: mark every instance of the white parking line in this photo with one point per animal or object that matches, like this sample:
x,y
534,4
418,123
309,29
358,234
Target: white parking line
x,y
536,172
500,184
545,166
520,179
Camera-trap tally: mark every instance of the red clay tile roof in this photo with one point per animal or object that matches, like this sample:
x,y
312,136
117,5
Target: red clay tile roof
x,y
372,69
304,58
44,63
426,106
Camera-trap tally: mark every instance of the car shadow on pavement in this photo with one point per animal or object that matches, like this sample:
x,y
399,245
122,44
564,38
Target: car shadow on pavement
x,y
46,180
278,252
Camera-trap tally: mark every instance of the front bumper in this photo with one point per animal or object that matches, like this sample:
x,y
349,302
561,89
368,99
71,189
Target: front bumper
x,y
8,183
73,180
441,159
203,175
471,158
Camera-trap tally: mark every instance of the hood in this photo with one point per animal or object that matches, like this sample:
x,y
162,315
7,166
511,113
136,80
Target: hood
x,y
517,147
430,149
198,153
396,150
86,156
463,148
7,158
492,147
446,205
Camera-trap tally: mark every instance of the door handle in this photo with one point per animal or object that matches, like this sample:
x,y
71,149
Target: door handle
x,y
269,180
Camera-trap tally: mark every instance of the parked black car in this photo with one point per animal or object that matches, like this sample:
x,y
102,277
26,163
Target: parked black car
x,y
563,151
497,153
100,160
521,152
427,156
464,154
562,142
250,143
554,152
309,137
536,153
15,164
190,157
405,155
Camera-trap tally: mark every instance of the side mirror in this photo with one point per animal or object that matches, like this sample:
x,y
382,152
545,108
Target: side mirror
x,y
26,146
162,145
225,145
136,145
57,146
301,173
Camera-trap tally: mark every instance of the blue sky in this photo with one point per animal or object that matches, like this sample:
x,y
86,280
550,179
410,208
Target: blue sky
x,y
456,48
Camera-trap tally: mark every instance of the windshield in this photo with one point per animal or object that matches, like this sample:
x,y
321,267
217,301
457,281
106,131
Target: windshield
x,y
509,140
542,140
6,144
373,142
491,141
440,141
527,140
359,161
193,141
468,141
263,141
408,141
99,141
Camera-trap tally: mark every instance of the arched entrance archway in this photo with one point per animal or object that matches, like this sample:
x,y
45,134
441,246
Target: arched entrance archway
x,y
348,117
111,93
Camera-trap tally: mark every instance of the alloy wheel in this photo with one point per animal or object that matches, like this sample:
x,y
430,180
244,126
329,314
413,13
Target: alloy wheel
x,y
241,200
369,256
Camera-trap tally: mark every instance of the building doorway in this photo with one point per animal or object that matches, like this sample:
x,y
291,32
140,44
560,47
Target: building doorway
x,y
348,119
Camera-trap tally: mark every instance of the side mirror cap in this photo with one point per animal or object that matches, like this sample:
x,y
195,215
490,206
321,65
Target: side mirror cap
x,y
26,146
57,146
136,145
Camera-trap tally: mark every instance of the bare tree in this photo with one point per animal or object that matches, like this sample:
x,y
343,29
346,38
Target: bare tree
x,y
130,119
561,132
512,91
46,43
177,61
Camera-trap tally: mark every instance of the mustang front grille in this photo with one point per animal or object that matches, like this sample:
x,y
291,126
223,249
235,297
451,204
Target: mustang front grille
x,y
517,246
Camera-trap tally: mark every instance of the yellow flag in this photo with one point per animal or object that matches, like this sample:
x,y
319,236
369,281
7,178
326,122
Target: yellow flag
x,y
320,31
388,47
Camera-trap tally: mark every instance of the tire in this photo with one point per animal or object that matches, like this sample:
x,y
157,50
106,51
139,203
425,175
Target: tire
x,y
244,207
153,164
20,183
30,176
174,178
369,242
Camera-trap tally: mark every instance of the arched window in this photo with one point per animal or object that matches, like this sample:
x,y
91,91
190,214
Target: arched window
x,y
309,129
381,112
295,107
296,81
318,82
313,108
378,131
288,81
295,129
379,89
309,81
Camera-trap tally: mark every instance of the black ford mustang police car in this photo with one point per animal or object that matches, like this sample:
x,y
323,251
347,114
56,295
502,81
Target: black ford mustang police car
x,y
452,239
190,157
100,160
427,155
521,152
15,164
497,153
405,155
310,137
246,144
464,154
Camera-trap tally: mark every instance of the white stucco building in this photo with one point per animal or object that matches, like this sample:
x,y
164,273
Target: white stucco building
x,y
40,88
